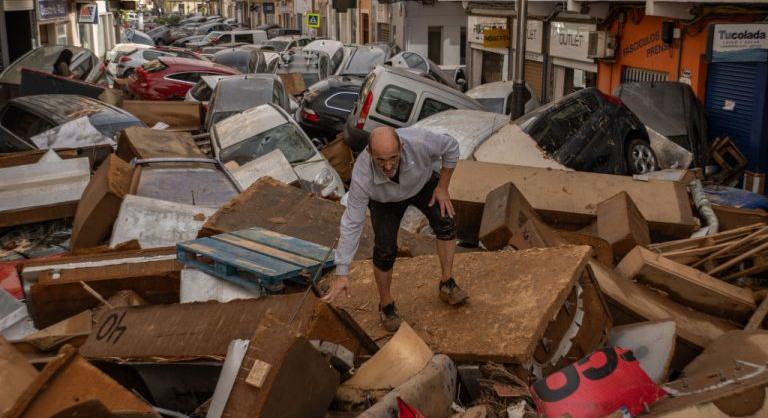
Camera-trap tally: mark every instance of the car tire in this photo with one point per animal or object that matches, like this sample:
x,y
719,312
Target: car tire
x,y
640,157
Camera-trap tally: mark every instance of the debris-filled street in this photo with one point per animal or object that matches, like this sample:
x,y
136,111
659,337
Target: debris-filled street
x,y
214,215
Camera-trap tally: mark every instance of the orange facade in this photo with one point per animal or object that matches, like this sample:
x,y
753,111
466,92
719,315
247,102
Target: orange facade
x,y
640,46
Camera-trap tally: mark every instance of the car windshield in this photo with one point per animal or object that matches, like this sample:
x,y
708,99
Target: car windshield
x,y
363,60
276,45
286,137
192,184
40,59
493,105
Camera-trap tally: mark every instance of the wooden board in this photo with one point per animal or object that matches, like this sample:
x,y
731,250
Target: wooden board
x,y
641,302
687,285
513,296
142,143
181,116
571,197
254,257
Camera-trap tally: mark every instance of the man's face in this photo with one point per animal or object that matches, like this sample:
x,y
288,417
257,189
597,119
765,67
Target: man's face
x,y
385,153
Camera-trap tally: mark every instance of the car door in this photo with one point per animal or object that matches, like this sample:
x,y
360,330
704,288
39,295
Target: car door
x,y
337,107
561,132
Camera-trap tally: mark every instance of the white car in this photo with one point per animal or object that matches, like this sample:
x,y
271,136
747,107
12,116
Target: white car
x,y
334,49
254,133
119,51
497,97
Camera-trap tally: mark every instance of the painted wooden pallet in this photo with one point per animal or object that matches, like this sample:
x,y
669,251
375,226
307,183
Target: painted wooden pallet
x,y
254,257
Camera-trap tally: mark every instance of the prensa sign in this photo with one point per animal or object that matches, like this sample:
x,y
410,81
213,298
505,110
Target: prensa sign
x,y
746,42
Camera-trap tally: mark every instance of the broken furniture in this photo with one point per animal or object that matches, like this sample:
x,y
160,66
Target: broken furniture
x,y
255,257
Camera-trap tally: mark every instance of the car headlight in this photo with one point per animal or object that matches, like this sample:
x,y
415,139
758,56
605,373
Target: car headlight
x,y
322,180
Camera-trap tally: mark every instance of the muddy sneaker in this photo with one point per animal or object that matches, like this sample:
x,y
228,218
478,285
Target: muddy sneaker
x,y
451,293
390,320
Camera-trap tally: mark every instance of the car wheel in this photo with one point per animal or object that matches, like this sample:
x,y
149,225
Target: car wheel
x,y
640,157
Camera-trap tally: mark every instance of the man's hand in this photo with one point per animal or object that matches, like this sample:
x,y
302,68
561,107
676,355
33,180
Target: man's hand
x,y
340,283
444,199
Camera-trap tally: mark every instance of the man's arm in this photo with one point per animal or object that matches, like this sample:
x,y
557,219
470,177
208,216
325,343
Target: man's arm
x,y
351,228
446,148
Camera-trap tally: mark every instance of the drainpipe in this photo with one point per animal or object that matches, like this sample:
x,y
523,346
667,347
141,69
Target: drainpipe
x,y
519,92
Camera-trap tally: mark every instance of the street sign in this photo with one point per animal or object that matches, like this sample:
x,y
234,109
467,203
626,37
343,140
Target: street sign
x,y
313,20
496,38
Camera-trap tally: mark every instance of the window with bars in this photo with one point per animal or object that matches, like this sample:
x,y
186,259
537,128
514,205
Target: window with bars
x,y
633,75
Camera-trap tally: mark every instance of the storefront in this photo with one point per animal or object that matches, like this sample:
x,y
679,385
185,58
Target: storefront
x,y
737,88
572,69
53,22
96,27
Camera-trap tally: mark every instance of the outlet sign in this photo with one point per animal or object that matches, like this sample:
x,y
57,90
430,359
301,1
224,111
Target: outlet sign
x,y
570,40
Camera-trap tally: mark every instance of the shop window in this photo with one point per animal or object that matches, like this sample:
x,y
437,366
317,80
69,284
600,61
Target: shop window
x,y
396,103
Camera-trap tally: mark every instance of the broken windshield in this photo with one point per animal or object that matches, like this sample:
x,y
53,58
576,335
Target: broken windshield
x,y
285,137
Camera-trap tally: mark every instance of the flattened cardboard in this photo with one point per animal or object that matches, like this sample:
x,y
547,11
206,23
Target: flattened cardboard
x,y
100,203
300,382
15,375
275,206
620,222
569,197
143,143
687,285
180,116
70,380
204,330
640,302
511,293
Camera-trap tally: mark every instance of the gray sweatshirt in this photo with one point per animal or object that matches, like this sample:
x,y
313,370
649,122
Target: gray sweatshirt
x,y
421,149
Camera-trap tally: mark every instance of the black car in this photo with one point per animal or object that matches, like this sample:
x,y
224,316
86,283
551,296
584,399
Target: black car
x,y
591,131
24,117
326,105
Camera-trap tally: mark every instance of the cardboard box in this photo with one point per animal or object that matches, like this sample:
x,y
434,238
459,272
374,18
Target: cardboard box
x,y
15,375
508,218
687,285
621,224
100,203
142,143
282,375
180,116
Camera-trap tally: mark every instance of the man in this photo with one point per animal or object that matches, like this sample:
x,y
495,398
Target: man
x,y
395,171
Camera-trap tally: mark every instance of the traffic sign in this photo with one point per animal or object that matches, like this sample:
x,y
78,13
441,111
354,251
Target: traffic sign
x,y
313,20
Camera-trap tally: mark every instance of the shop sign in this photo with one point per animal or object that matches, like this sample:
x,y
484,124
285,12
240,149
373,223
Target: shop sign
x,y
51,9
650,44
495,38
269,8
747,42
313,20
479,24
534,35
570,40
88,13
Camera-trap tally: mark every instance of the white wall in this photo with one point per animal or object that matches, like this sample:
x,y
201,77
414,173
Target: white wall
x,y
448,14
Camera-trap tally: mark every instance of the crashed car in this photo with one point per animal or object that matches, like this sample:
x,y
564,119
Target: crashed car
x,y
425,67
303,70
497,97
23,118
235,94
258,131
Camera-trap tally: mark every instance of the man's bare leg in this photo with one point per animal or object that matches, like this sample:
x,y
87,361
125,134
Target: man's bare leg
x,y
383,282
445,251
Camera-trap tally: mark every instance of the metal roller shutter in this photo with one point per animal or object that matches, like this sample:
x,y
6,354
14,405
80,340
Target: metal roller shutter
x,y
732,85
492,66
534,75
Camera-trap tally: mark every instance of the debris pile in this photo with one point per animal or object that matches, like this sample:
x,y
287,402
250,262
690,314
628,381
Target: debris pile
x,y
158,282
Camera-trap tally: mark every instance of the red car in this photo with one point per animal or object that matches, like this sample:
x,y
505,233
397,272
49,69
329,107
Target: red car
x,y
169,78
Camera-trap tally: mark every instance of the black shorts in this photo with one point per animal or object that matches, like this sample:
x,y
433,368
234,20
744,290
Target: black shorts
x,y
386,218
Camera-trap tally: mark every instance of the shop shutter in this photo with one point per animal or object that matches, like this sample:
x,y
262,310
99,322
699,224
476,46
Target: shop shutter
x,y
492,67
732,83
634,75
533,76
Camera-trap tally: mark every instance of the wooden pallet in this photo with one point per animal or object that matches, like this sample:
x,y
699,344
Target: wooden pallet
x,y
254,258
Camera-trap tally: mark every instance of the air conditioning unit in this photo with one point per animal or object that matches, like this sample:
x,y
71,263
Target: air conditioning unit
x,y
602,44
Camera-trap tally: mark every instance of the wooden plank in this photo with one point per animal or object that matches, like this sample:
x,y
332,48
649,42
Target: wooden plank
x,y
688,285
731,246
260,265
513,295
284,242
275,253
730,263
757,318
688,243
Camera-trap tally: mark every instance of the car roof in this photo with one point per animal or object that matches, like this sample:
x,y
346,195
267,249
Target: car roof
x,y
128,46
325,45
469,127
62,108
189,62
416,76
287,37
494,90
232,93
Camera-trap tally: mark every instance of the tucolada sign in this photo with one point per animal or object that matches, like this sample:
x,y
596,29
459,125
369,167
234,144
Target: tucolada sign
x,y
738,42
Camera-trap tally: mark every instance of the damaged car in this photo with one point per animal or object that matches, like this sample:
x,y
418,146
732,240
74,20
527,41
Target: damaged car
x,y
238,93
244,137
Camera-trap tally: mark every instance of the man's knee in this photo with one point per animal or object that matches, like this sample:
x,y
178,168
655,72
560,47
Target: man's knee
x,y
384,258
445,228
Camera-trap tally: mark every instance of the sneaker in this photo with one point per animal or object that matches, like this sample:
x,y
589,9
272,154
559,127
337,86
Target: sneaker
x,y
390,320
451,293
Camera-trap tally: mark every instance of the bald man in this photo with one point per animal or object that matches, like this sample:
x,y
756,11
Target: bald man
x,y
392,173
